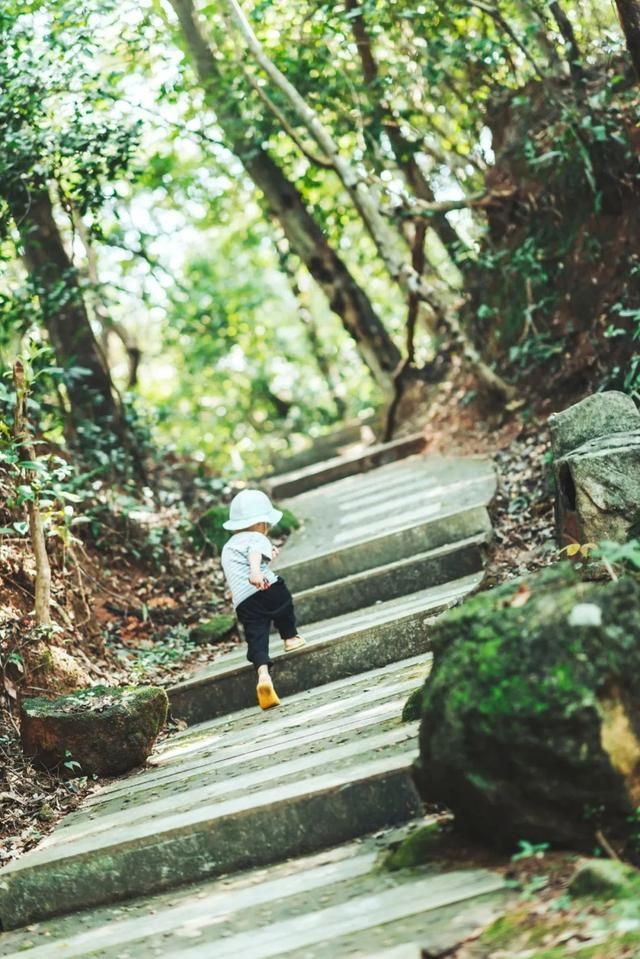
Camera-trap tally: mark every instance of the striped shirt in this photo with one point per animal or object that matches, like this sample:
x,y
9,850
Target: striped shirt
x,y
235,563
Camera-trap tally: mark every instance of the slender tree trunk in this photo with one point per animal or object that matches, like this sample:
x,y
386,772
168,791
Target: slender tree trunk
x,y
400,270
64,312
629,13
36,531
306,239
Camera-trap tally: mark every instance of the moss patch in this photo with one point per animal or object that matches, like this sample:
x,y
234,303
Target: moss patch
x,y
213,630
420,847
412,709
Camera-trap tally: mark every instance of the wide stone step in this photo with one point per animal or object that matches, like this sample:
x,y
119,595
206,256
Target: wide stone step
x,y
393,512
319,474
336,648
277,785
429,533
383,583
330,904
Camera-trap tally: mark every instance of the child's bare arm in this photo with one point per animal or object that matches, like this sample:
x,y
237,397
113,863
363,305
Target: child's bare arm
x,y
256,576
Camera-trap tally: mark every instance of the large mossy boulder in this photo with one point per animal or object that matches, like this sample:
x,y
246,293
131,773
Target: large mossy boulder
x,y
101,731
530,724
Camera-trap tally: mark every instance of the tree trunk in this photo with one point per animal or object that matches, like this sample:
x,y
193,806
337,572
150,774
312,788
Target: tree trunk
x,y
629,13
366,203
64,312
307,241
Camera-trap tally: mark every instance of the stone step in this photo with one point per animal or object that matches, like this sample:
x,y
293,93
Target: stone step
x,y
390,581
342,768
392,512
429,533
330,904
319,474
336,648
327,445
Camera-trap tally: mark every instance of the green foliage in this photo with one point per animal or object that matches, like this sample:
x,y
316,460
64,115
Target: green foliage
x,y
529,850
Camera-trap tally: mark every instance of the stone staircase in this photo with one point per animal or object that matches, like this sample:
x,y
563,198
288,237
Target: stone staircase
x,y
261,831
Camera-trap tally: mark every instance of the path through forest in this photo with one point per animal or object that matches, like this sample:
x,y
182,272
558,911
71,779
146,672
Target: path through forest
x,y
262,832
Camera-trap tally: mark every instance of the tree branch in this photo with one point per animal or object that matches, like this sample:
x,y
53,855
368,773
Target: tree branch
x,y
286,126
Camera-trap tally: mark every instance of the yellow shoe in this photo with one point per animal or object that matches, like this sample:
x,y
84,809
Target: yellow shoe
x,y
296,642
267,696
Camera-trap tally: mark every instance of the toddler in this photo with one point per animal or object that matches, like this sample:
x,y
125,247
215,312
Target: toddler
x,y
259,596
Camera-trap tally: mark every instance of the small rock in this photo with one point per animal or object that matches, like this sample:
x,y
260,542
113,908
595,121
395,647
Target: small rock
x,y
413,706
602,877
46,813
585,614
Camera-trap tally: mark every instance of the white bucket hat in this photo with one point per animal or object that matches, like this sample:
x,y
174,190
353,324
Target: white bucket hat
x,y
251,506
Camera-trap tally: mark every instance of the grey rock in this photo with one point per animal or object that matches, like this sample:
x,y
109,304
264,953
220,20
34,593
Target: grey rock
x,y
598,415
599,489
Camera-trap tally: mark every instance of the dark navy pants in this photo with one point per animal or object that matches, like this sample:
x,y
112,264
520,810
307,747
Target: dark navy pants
x,y
273,605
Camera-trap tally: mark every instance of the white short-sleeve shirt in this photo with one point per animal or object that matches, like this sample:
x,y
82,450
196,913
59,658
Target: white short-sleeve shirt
x,y
235,563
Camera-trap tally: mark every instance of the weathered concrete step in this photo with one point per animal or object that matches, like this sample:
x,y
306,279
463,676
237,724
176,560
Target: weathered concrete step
x,y
248,781
393,580
336,648
325,446
340,889
440,527
361,717
378,733
187,846
319,474
382,510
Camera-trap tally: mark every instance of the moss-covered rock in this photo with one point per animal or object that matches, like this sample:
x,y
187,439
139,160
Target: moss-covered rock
x,y
418,848
103,730
531,715
208,533
54,670
213,630
412,709
605,878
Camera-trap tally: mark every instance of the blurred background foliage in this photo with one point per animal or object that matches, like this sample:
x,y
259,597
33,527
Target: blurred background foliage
x,y
134,213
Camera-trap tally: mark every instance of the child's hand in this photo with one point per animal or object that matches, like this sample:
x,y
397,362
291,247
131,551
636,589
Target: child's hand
x,y
274,552
259,580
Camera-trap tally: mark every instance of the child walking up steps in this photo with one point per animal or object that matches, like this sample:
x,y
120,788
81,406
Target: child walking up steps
x,y
259,596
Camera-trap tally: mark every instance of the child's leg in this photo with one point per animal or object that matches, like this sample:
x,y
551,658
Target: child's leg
x,y
284,618
256,623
